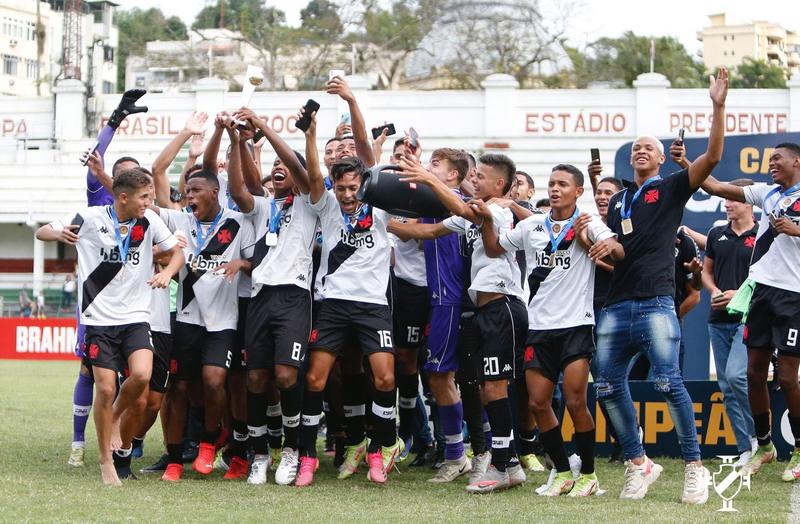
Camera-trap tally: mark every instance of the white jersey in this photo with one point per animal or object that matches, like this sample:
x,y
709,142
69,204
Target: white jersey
x,y
490,275
206,298
409,260
113,294
289,261
354,264
560,296
775,256
159,311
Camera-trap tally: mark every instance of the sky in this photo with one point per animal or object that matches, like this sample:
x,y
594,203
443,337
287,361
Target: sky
x,y
591,20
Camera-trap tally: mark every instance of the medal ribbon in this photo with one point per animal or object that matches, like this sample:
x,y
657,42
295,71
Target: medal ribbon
x,y
781,194
201,239
122,243
626,213
350,227
555,241
275,216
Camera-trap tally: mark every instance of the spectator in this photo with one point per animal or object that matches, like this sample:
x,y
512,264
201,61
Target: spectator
x,y
67,291
25,302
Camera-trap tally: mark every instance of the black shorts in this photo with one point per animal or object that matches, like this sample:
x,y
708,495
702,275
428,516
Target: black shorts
x,y
239,360
503,326
340,320
109,347
410,312
774,320
551,350
195,347
468,349
278,327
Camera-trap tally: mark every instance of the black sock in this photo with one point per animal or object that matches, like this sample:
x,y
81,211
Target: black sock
x,y
526,441
554,447
354,398
209,437
383,417
291,404
408,388
763,431
257,421
584,441
274,426
473,417
513,457
312,413
237,441
137,442
175,452
794,423
121,461
499,412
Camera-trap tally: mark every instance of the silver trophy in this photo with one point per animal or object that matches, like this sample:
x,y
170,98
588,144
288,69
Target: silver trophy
x,y
253,77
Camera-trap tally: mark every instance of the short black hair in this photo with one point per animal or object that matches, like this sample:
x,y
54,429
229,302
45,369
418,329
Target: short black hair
x,y
611,180
194,169
507,167
791,146
266,178
398,142
334,139
544,202
130,180
527,177
121,160
206,175
347,165
577,174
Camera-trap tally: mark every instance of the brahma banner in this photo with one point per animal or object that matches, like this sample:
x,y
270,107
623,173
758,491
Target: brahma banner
x,y
37,339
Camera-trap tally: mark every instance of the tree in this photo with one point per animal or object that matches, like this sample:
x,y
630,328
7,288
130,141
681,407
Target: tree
x,y
139,26
751,74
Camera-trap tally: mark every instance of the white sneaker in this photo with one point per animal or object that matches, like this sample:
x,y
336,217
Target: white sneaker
x,y
516,475
452,469
287,469
639,478
744,458
695,484
258,470
480,463
492,480
544,488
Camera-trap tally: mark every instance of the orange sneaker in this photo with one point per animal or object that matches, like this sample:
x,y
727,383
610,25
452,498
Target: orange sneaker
x,y
204,462
173,472
376,472
237,469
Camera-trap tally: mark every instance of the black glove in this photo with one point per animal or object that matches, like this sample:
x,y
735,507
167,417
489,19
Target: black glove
x,y
127,106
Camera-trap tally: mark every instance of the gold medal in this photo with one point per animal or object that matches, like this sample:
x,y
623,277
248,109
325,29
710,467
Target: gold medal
x,y
556,228
123,230
627,226
786,202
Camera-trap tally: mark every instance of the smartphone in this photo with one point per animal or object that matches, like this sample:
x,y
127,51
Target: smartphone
x,y
680,135
772,218
595,154
310,107
376,131
345,119
414,138
85,161
335,72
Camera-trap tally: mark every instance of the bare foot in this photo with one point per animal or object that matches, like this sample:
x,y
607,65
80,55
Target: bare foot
x,y
116,439
109,474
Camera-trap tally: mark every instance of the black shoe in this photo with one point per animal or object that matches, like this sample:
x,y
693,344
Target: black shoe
x,y
125,473
123,467
190,453
158,466
425,457
127,106
338,452
329,444
616,455
438,460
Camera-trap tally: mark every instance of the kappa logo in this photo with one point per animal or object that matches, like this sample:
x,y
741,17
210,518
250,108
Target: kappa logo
x,y
651,197
618,205
301,278
587,315
194,233
723,237
750,242
539,229
103,229
501,285
507,367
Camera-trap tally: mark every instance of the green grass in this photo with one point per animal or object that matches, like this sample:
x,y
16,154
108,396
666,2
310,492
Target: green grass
x,y
38,486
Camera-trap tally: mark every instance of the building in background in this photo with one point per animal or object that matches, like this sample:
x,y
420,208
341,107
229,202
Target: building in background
x,y
31,45
727,42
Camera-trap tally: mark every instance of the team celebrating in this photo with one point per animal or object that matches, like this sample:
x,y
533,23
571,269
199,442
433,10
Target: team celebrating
x,y
248,310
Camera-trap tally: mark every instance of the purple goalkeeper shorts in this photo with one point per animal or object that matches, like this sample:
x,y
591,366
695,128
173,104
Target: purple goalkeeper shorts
x,y
442,339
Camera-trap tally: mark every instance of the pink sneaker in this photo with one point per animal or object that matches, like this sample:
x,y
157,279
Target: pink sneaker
x,y
375,463
305,476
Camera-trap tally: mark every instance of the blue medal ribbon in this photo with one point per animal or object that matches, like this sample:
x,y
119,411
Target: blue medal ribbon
x,y
555,241
122,243
201,238
781,194
350,227
626,213
276,216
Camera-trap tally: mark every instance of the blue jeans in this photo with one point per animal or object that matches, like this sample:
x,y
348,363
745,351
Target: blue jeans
x,y
730,359
624,330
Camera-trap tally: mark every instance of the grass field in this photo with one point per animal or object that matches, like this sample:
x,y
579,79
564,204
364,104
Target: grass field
x,y
38,486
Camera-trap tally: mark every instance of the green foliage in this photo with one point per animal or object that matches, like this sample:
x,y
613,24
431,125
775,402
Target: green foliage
x,y
320,22
139,26
752,74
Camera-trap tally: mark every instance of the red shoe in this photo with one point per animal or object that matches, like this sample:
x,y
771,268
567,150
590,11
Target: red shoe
x,y
204,462
375,462
173,472
237,469
305,476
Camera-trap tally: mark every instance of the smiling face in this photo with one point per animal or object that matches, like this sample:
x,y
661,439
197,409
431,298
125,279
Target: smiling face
x,y
647,154
136,201
346,148
201,197
783,166
521,190
345,189
282,181
489,182
562,190
605,190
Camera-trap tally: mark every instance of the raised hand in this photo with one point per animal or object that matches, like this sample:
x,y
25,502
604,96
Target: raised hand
x,y
718,91
196,123
677,151
312,127
196,146
338,86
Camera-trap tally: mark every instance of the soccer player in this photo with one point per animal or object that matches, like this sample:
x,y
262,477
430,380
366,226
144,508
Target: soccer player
x,y
773,320
495,289
729,249
352,282
523,188
219,242
115,260
279,315
639,315
560,321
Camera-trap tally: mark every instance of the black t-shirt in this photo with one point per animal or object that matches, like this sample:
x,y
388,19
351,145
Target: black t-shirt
x,y
731,255
685,251
648,269
602,281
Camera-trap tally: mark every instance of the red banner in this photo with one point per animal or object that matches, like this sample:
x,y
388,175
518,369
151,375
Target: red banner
x,y
37,339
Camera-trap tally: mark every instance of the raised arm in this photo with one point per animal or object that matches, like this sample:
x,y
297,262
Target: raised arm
x,y
712,186
236,186
418,231
212,148
194,126
701,168
412,171
250,171
316,182
195,151
338,86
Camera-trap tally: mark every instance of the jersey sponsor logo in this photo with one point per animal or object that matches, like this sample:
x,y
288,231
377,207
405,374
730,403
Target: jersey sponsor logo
x,y
357,240
562,259
112,255
750,242
472,234
205,262
651,196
